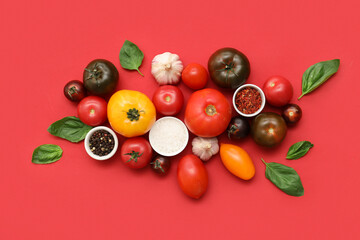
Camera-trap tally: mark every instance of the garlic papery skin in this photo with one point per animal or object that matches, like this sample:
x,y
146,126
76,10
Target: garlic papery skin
x,y
205,148
166,68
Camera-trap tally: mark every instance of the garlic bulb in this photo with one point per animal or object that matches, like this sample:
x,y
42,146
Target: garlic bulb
x,y
205,148
166,68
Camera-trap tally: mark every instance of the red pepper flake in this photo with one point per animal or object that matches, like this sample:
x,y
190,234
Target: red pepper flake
x,y
248,100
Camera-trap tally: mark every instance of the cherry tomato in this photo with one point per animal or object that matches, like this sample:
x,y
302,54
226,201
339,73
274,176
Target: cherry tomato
x,y
268,129
278,91
160,164
237,161
192,176
238,128
74,91
291,113
194,76
92,110
207,113
136,152
168,100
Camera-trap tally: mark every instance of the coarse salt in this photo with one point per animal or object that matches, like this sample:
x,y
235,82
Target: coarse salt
x,y
168,136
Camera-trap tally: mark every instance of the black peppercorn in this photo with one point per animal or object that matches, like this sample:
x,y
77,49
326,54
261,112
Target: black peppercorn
x,y
101,143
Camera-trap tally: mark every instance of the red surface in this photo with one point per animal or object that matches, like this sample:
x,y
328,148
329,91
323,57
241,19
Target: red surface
x,y
46,44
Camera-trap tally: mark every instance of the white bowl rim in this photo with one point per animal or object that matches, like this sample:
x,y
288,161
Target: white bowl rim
x,y
180,149
87,138
262,97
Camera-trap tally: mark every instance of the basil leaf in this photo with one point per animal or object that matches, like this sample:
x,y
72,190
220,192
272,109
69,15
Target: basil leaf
x,y
285,178
317,74
47,153
299,150
69,128
131,56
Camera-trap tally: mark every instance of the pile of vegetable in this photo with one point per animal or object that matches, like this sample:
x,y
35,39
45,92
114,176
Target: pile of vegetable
x,y
208,114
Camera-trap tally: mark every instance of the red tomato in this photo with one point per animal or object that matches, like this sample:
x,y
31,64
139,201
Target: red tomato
x,y
278,91
194,76
92,110
136,152
192,176
207,113
168,100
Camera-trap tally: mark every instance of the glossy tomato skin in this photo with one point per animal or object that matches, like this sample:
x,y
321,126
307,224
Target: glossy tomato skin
x,y
237,161
278,91
168,100
291,113
74,90
207,113
100,77
239,128
92,110
131,113
192,176
136,152
268,129
160,164
194,76
229,68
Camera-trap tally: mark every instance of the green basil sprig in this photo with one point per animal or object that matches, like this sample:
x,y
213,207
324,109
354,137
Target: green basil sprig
x,y
131,56
317,74
47,153
69,128
298,150
285,178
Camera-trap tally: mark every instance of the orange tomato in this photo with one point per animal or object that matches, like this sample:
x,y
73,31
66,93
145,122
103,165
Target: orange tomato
x,y
237,161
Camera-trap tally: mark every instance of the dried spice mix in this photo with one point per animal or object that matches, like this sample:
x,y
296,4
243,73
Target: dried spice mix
x,y
248,100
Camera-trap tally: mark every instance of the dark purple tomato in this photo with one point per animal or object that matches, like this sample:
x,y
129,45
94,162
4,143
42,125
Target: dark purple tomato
x,y
74,91
238,128
268,129
291,113
160,164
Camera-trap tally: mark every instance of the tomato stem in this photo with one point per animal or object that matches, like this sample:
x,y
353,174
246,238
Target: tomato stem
x,y
210,110
133,114
133,155
157,164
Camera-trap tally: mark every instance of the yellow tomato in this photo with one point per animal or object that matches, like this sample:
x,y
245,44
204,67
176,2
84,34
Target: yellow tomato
x,y
237,161
131,113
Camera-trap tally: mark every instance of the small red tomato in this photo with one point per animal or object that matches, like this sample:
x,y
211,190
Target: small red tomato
x,y
136,152
160,164
291,113
74,91
278,91
192,176
194,76
168,100
92,110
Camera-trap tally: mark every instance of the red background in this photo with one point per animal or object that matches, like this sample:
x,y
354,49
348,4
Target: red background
x,y
45,44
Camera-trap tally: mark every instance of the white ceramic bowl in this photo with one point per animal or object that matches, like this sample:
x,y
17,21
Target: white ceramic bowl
x,y
167,141
262,103
87,147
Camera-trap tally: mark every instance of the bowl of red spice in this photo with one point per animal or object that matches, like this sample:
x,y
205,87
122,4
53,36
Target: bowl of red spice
x,y
101,143
249,100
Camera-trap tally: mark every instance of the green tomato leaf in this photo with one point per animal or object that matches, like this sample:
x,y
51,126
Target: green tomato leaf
x,y
317,74
299,150
131,56
69,128
47,153
285,178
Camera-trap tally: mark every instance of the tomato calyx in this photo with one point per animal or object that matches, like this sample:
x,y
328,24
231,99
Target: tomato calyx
x,y
95,73
133,155
72,91
210,110
157,165
133,114
228,67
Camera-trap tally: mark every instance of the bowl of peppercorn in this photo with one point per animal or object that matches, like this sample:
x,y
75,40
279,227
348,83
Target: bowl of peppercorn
x,y
101,143
249,100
